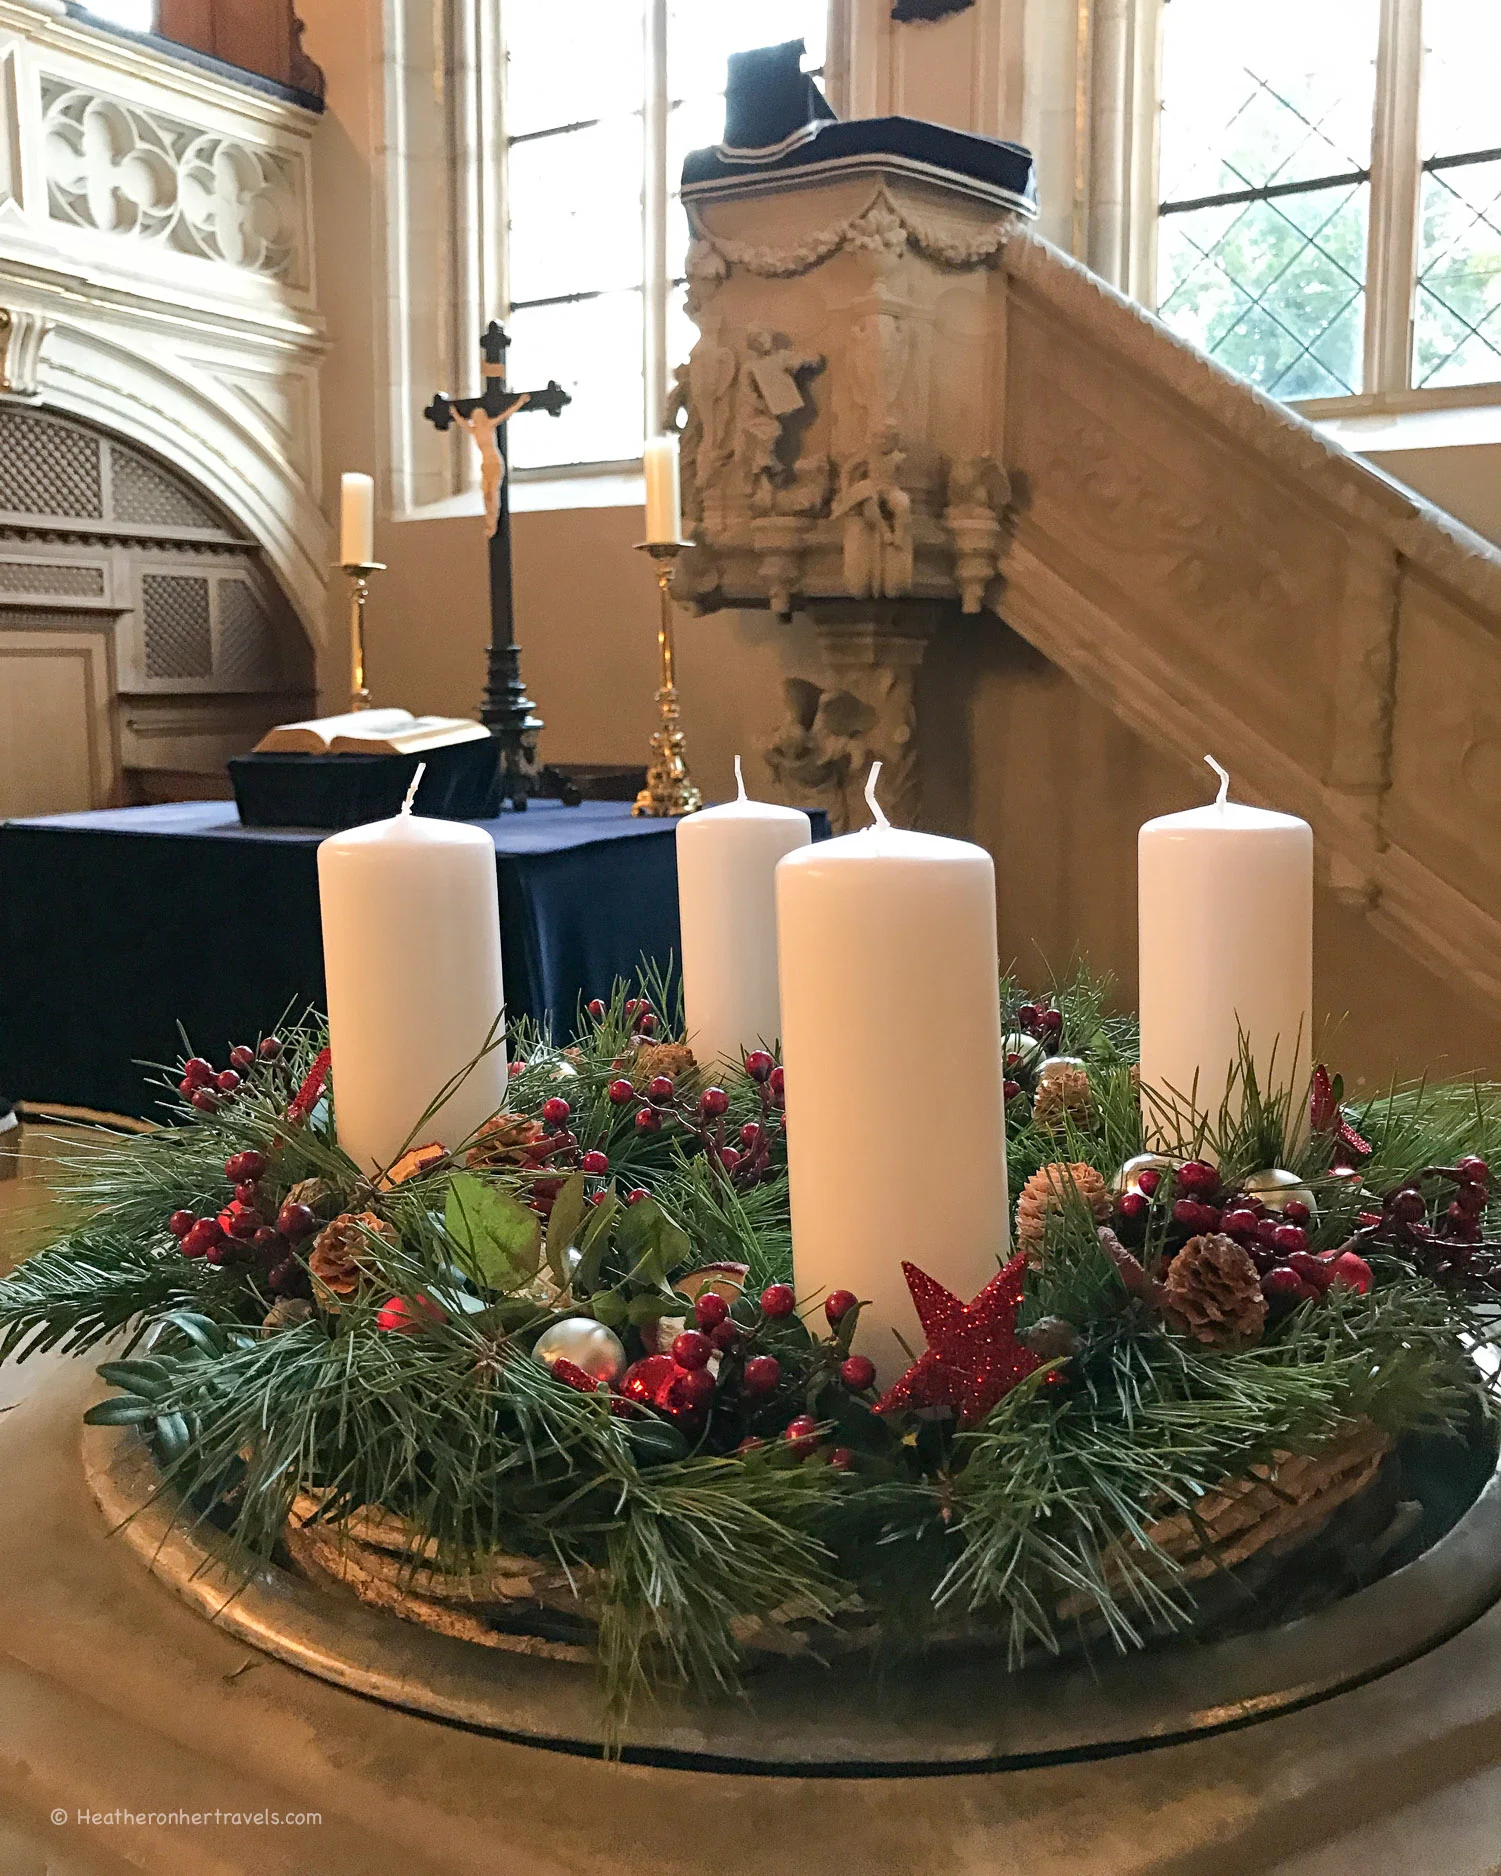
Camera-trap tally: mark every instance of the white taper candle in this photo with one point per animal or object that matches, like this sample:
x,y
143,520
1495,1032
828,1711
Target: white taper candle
x,y
356,519
411,952
727,905
889,968
659,467
1225,912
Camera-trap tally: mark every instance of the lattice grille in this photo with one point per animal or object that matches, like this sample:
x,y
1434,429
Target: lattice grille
x,y
145,495
48,468
39,576
247,649
179,642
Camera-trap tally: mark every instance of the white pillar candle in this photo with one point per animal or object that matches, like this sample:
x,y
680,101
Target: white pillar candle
x,y
890,981
659,466
411,950
727,907
1225,907
357,520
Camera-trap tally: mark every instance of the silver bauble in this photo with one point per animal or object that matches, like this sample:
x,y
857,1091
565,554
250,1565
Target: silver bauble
x,y
1276,1187
1056,1068
1027,1049
588,1344
1128,1179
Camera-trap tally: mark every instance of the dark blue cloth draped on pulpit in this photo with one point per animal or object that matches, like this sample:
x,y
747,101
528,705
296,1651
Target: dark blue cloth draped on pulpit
x,y
116,926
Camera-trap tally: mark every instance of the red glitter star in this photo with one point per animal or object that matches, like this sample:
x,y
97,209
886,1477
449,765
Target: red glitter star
x,y
973,1356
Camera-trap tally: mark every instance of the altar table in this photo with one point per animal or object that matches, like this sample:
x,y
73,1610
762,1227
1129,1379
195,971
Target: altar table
x,y
117,925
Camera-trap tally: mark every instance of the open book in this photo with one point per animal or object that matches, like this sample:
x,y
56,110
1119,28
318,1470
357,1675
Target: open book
x,y
369,733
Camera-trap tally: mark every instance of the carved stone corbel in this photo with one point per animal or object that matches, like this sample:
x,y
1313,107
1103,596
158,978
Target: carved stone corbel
x,y
22,336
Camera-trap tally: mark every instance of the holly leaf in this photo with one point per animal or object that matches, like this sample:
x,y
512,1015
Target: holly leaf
x,y
499,1239
563,1224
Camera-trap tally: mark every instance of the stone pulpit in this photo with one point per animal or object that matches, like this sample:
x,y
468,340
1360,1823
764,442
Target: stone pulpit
x,y
843,412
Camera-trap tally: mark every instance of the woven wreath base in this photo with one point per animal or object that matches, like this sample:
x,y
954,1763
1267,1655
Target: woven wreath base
x,y
530,1607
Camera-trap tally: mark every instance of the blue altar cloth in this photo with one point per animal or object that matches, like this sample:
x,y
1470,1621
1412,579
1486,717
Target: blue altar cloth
x,y
117,925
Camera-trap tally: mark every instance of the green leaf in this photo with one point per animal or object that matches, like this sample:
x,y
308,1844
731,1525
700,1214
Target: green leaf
x,y
653,1242
594,1243
172,1435
652,1305
609,1307
563,1224
202,1331
137,1377
122,1410
499,1238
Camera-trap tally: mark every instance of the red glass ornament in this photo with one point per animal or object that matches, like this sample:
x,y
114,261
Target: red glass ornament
x,y
595,1162
408,1317
857,1372
778,1301
838,1304
973,1357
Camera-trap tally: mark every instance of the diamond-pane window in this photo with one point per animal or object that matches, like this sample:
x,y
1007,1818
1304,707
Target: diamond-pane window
x,y
1456,337
1266,183
598,118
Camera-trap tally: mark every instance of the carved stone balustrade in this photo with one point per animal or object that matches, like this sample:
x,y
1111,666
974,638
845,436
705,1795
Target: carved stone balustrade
x,y
903,402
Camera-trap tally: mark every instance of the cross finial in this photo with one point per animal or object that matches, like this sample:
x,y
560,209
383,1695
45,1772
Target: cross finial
x,y
493,344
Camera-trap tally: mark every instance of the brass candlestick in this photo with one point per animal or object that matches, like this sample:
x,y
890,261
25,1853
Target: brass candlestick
x,y
669,787
358,572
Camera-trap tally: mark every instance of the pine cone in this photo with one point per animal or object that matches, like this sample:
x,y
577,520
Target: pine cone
x,y
673,1059
1213,1292
505,1140
337,1250
1049,1190
1062,1091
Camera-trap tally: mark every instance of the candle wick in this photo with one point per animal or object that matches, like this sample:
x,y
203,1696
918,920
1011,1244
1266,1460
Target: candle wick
x,y
416,783
870,796
740,782
1224,775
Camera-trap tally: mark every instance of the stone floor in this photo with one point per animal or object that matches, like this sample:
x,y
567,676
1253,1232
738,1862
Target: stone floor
x,y
113,1696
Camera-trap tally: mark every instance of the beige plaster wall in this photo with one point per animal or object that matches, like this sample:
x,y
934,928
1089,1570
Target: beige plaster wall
x,y
1017,756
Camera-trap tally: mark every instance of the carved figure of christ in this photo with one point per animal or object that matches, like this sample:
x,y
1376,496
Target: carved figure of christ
x,y
484,429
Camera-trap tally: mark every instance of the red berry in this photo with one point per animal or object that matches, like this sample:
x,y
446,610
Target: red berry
x,y
270,1048
1050,1022
1027,1017
724,1335
841,1459
762,1373
1351,1271
1241,1222
620,1092
1310,1269
546,1188
296,1221
1288,1239
555,1110
1469,1198
247,1194
248,1165
596,1009
1193,1215
857,1372
1010,1090
196,1072
1148,1181
216,1253
1198,1176
513,1069
709,1309
690,1391
181,1223
646,1023
242,1058
750,1444
1132,1205
802,1433
1266,1231
285,1278
636,1194
632,1004
712,1103
758,1065
205,1102
1282,1284
246,1223
691,1349
778,1301
648,1120
595,1162
1475,1169
201,1238
1296,1212
728,1158
268,1240
777,1082
659,1088
227,1081
751,1135
838,1304
408,1318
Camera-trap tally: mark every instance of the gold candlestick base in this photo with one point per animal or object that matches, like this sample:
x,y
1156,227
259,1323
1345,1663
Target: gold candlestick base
x,y
669,789
358,572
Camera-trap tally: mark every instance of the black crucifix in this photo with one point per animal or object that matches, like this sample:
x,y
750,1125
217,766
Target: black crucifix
x,y
507,712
